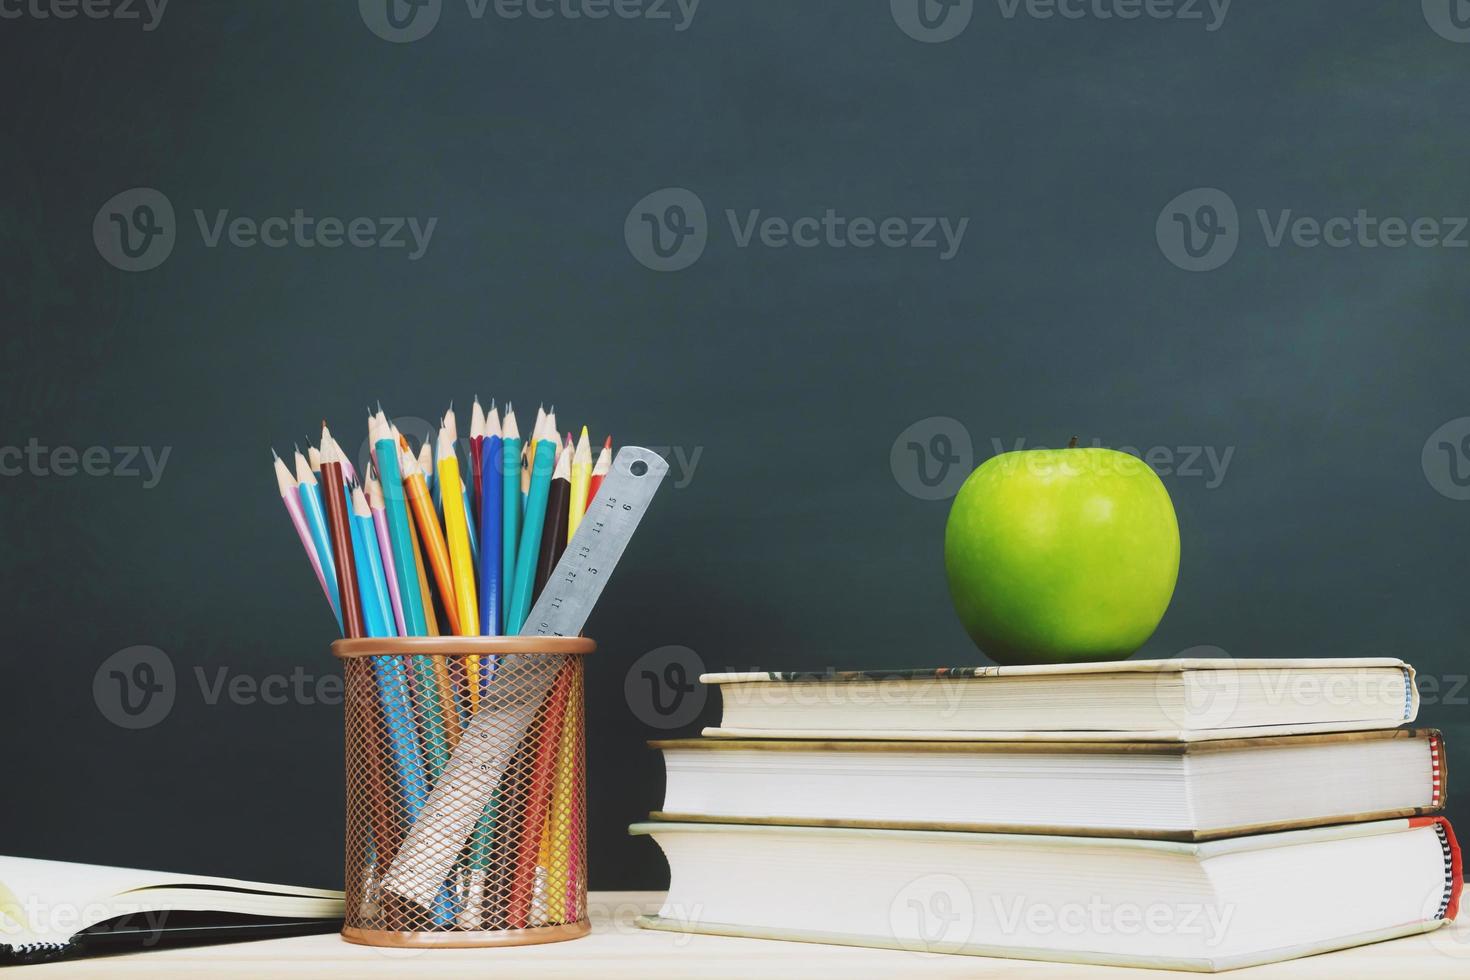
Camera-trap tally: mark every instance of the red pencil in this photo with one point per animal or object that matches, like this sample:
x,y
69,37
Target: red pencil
x,y
600,470
533,816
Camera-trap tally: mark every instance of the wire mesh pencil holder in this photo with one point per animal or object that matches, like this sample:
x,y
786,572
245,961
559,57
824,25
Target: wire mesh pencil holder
x,y
466,790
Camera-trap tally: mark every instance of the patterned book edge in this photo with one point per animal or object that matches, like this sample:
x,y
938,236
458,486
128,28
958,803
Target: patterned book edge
x,y
1449,905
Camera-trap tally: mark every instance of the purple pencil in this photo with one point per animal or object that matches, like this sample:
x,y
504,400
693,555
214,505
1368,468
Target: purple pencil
x,y
385,547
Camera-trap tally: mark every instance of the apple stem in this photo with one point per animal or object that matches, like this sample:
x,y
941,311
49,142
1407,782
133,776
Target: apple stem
x,y
1073,443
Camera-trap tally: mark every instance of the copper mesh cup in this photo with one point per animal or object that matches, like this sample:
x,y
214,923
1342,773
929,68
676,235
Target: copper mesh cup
x,y
466,791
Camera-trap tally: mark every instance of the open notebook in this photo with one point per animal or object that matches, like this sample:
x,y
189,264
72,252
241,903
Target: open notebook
x,y
51,909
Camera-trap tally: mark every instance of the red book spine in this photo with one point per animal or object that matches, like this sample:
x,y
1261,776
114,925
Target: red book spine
x,y
1454,874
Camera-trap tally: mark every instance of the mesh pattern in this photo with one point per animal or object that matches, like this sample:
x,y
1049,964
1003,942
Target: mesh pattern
x,y
466,801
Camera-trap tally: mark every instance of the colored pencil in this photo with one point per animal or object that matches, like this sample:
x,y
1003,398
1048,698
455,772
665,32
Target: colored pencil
x,y
334,502
559,862
310,492
456,531
402,734
520,603
581,484
291,497
349,473
554,530
600,471
451,426
431,536
533,813
477,446
490,541
510,528
385,550
400,535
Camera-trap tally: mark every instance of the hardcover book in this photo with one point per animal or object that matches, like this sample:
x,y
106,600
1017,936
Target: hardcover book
x,y
1168,790
1208,906
1147,700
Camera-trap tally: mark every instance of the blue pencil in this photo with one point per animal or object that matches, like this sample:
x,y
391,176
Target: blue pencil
x,y
492,487
316,520
378,617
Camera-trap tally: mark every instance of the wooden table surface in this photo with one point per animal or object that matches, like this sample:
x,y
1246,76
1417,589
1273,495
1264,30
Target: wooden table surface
x,y
618,948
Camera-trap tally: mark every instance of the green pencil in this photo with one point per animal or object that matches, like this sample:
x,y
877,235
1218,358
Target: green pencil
x,y
520,603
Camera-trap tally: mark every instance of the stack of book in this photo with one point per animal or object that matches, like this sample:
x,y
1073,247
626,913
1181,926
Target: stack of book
x,y
1186,814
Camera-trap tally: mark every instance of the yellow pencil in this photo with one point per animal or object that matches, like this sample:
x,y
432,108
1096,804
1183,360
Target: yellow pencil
x,y
581,481
456,530
558,863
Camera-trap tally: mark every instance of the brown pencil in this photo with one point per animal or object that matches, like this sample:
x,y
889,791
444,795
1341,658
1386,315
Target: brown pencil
x,y
334,502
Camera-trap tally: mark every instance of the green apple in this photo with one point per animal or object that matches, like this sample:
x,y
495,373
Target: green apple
x,y
1058,555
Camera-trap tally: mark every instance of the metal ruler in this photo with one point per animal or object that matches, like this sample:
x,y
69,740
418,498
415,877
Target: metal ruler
x,y
577,581
489,740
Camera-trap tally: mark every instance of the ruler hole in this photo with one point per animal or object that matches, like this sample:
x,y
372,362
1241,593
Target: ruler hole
x,y
638,467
